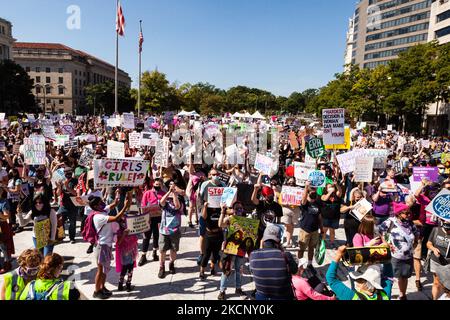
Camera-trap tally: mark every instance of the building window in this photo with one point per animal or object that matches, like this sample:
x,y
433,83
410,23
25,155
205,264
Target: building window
x,y
443,32
47,70
48,90
60,90
49,101
61,80
38,79
396,32
27,69
61,111
60,70
443,16
47,80
38,90
38,69
61,102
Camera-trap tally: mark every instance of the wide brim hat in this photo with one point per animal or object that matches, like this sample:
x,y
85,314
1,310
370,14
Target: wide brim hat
x,y
371,274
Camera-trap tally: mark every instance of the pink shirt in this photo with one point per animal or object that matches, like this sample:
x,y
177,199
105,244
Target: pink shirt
x,y
425,215
361,240
151,197
303,290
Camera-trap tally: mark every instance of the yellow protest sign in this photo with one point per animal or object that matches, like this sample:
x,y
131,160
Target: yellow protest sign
x,y
345,146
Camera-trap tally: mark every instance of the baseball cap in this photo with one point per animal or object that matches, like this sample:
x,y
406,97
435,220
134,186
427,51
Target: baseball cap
x,y
272,232
371,274
267,191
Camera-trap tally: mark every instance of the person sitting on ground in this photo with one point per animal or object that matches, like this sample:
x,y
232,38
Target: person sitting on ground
x,y
303,290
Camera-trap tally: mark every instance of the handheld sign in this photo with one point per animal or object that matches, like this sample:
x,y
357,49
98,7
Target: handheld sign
x,y
138,224
152,210
364,169
119,172
214,197
440,206
291,196
34,150
317,179
362,208
263,164
333,126
431,174
228,196
315,148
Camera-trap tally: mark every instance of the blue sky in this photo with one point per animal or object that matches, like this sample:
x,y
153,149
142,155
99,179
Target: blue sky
x,y
276,45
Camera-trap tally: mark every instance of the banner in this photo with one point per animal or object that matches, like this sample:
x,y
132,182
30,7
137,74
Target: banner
x,y
128,121
113,122
228,196
115,150
86,157
138,224
333,126
440,206
162,153
315,147
214,197
119,172
431,174
347,161
34,150
364,169
242,235
263,164
134,140
317,179
291,196
346,145
301,172
362,207
42,233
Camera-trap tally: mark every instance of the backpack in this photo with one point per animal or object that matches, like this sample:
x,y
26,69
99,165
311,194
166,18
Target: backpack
x,y
89,233
33,295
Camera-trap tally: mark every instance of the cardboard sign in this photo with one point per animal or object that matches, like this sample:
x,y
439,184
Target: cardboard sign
x,y
113,122
162,153
149,139
228,196
214,197
119,172
317,179
80,201
440,206
291,196
69,130
362,208
61,140
301,171
86,157
397,166
153,211
364,169
333,126
42,231
138,224
128,121
34,150
242,235
116,150
431,174
346,145
380,157
135,140
315,148
347,161
263,164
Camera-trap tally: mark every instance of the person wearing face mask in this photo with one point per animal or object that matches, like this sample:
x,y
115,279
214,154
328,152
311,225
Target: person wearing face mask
x,y
150,198
14,196
15,281
267,210
48,285
331,205
439,244
372,282
402,236
68,209
91,191
291,214
41,184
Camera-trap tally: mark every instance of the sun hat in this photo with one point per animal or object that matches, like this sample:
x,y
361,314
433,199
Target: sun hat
x,y
371,274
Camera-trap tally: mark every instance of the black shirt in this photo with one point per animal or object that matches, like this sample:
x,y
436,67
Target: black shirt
x,y
331,209
311,216
440,240
212,218
268,213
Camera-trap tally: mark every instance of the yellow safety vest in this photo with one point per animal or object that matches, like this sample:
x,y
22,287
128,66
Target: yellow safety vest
x,y
59,292
14,285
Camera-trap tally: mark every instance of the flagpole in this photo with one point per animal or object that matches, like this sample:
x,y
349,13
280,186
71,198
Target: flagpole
x,y
140,64
116,98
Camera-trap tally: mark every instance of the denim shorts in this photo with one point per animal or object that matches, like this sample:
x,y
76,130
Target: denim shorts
x,y
330,223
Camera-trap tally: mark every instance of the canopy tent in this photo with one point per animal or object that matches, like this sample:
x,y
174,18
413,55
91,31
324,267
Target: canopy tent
x,y
236,115
258,115
188,114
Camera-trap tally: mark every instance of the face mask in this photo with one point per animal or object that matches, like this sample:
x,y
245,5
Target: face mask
x,y
30,272
157,188
441,171
270,199
102,206
215,180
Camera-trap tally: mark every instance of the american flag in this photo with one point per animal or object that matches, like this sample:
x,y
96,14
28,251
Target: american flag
x,y
120,23
141,40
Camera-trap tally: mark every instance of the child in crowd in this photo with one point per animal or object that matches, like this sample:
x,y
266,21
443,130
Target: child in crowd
x,y
126,254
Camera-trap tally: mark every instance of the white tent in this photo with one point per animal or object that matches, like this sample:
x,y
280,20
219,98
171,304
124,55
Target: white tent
x,y
258,115
247,115
183,114
188,114
236,115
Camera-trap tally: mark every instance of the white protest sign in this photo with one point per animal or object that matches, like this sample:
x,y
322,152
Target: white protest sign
x,y
347,161
48,132
86,156
2,116
113,122
301,171
128,121
162,153
228,196
149,139
34,150
440,206
379,155
363,169
425,144
116,150
362,208
214,197
68,129
291,196
263,164
389,127
138,224
135,140
57,177
61,140
333,126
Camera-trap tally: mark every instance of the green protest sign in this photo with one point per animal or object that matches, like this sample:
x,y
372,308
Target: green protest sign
x,y
315,147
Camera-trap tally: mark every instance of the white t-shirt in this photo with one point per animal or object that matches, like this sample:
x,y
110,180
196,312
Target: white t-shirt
x,y
98,193
107,230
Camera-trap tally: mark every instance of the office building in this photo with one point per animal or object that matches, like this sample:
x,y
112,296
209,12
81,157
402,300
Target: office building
x,y
6,40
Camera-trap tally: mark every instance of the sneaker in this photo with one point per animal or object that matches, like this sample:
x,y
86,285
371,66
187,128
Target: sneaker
x,y
222,296
240,293
172,268
73,241
120,287
101,295
191,225
90,249
155,256
202,276
142,261
106,291
162,273
129,287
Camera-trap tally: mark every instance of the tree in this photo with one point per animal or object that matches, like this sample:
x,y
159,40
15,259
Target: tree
x,y
15,89
193,95
103,97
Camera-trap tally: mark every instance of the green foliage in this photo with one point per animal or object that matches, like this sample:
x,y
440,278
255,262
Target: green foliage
x,y
102,96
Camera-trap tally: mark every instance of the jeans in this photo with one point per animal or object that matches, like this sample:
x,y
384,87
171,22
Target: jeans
x,y
154,230
45,250
71,214
238,262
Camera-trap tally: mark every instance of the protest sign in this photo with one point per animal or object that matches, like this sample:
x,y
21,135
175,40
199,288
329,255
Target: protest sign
x,y
16,149
364,169
301,171
293,141
48,131
263,164
361,208
138,224
242,235
2,116
113,122
291,196
153,210
128,121
119,172
333,126
115,150
397,167
431,174
42,233
34,150
380,157
61,140
223,177
149,139
80,201
68,129
228,196
440,206
58,176
162,153
425,144
71,144
389,127
86,157
4,124
345,146
408,148
315,147
404,189
317,179
135,140
214,197
2,146
347,161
